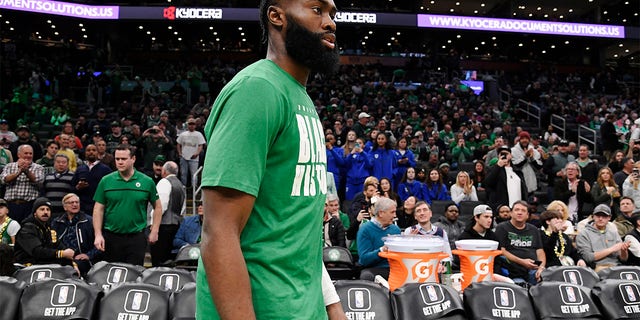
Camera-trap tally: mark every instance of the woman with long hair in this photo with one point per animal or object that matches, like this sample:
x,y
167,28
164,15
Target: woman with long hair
x,y
358,165
386,190
605,190
631,185
616,161
557,245
463,189
350,143
434,188
405,159
478,175
409,186
405,213
383,157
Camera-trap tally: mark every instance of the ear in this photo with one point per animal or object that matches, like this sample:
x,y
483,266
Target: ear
x,y
276,16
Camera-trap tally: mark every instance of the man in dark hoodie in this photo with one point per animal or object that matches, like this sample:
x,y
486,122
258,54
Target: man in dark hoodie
x,y
36,242
480,227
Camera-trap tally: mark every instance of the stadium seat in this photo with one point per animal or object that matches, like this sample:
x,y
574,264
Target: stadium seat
x,y
497,300
469,167
466,210
571,274
427,300
560,300
339,263
187,257
34,273
58,299
135,301
10,292
183,303
620,272
107,273
438,207
482,196
167,278
363,299
618,299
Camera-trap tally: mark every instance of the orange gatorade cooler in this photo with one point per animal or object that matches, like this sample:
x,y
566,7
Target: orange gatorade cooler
x,y
476,259
413,259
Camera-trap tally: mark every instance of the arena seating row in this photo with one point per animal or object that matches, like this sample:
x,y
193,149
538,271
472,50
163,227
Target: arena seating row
x,y
110,291
616,297
123,291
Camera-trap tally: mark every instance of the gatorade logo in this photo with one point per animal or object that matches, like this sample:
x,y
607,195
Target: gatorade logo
x,y
422,270
482,266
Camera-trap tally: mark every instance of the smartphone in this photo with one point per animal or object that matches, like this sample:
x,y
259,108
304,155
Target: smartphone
x,y
503,156
357,145
537,262
636,172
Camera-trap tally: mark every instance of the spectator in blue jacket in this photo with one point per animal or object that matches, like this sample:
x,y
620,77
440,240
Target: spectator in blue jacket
x,y
434,188
370,241
383,157
405,159
75,230
335,159
409,186
189,231
358,165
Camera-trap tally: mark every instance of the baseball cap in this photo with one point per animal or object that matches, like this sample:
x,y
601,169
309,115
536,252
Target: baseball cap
x,y
602,209
524,134
563,143
23,127
3,121
444,164
115,124
101,110
504,148
3,203
164,113
363,115
482,208
159,159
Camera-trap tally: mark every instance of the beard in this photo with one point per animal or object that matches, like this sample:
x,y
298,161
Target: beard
x,y
305,47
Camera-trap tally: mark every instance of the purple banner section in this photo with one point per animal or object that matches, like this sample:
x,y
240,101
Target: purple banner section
x,y
62,8
520,26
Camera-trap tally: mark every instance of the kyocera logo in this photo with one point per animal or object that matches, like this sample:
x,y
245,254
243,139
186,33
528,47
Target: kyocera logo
x,y
356,17
169,13
173,13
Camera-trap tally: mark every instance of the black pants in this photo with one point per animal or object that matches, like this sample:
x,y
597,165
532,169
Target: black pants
x,y
125,247
161,250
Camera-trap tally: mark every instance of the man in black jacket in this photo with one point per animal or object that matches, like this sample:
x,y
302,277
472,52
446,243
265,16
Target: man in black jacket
x,y
36,242
504,184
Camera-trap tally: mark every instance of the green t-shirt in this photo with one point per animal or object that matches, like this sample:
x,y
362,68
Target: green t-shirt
x,y
125,201
265,139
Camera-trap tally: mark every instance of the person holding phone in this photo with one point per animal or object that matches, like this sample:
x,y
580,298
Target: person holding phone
x,y
503,183
358,166
630,187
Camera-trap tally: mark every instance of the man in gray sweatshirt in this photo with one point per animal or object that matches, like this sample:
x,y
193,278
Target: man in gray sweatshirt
x,y
599,244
